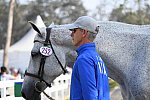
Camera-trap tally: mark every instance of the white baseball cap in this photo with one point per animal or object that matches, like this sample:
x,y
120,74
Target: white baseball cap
x,y
86,23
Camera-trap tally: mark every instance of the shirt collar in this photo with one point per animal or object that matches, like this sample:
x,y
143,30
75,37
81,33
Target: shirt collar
x,y
87,46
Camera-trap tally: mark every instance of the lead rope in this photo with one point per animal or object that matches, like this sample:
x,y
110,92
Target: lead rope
x,y
48,96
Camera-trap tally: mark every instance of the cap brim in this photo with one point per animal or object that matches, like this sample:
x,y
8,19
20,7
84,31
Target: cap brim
x,y
70,26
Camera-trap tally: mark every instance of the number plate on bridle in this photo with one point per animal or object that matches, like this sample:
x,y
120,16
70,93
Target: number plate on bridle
x,y
46,51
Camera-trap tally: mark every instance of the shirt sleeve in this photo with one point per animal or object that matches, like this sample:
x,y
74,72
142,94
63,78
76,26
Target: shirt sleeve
x,y
87,79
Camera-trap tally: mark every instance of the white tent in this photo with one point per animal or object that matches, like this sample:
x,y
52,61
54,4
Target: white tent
x,y
19,53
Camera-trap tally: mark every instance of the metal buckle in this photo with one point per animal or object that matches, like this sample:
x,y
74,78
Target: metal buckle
x,y
39,86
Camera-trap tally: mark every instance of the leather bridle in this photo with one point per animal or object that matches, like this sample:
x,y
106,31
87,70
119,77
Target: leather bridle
x,y
41,81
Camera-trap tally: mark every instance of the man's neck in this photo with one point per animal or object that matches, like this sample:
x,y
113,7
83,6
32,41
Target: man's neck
x,y
85,41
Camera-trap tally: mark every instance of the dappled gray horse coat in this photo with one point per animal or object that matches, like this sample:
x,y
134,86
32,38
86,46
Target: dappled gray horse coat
x,y
124,48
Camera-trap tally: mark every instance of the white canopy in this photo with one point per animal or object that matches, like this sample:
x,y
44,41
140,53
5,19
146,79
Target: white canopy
x,y
19,53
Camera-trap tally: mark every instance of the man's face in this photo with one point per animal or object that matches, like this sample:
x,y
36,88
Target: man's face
x,y
77,37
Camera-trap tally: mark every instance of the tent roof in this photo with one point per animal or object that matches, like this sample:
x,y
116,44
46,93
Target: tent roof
x,y
26,43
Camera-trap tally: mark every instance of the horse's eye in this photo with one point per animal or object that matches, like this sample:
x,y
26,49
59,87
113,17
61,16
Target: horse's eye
x,y
34,54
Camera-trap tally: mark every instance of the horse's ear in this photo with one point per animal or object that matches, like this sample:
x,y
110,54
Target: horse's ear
x,y
35,28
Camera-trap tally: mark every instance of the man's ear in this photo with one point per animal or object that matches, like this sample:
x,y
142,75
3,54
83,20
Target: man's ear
x,y
85,33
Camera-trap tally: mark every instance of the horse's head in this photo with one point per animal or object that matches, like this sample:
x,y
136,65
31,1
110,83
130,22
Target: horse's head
x,y
48,60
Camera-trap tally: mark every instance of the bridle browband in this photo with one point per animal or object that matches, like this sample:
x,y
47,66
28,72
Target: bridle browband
x,y
42,63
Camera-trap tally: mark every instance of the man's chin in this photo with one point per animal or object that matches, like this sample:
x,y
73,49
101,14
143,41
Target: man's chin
x,y
73,43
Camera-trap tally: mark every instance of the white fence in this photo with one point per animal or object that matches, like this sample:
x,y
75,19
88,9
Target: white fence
x,y
10,85
59,90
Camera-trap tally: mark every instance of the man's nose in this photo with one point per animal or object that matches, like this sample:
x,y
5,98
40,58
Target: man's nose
x,y
71,34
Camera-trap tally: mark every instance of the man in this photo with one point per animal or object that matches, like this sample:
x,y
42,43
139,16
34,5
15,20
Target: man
x,y
89,76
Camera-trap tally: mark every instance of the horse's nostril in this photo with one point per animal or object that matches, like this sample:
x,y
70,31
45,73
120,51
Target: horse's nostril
x,y
23,95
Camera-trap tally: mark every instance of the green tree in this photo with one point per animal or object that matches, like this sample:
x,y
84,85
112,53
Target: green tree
x,y
20,25
58,11
4,8
100,11
117,14
127,15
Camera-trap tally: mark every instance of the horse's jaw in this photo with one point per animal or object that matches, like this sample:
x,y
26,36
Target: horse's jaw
x,y
36,96
28,90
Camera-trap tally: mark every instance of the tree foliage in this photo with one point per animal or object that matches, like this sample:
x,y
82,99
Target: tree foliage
x,y
127,15
3,21
57,11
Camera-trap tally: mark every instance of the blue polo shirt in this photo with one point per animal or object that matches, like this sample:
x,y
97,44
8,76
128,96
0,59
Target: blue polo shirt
x,y
89,76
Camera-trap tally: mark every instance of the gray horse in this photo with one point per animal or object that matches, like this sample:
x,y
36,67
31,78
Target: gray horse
x,y
124,48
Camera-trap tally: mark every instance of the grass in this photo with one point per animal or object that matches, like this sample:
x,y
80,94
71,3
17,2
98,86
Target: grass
x,y
112,84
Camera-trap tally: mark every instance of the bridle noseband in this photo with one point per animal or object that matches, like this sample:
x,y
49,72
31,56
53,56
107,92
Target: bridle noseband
x,y
41,81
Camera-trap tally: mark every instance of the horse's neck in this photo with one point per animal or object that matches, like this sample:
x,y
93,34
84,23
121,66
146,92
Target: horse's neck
x,y
118,44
